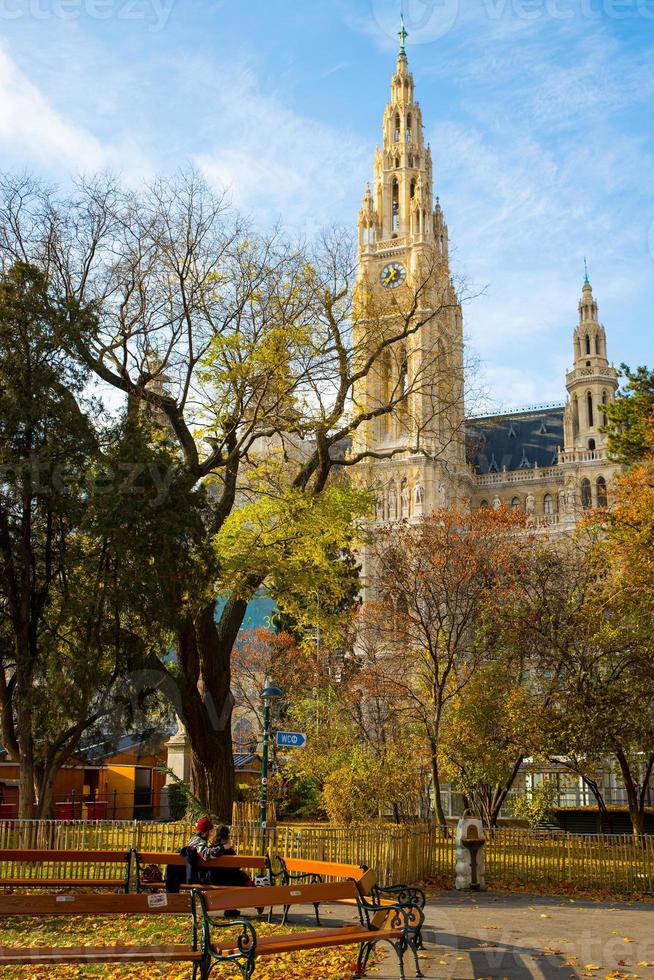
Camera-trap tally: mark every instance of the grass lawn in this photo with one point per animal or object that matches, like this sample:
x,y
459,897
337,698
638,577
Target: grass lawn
x,y
329,964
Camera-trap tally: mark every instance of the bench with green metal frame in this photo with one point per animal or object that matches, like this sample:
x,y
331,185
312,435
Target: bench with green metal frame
x,y
47,868
394,924
91,906
290,870
162,858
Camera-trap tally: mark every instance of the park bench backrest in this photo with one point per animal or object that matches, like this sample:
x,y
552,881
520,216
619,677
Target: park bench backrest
x,y
18,856
367,882
45,864
95,904
226,861
328,869
238,898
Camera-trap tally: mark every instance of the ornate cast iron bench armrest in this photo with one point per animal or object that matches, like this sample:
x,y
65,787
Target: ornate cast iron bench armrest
x,y
404,894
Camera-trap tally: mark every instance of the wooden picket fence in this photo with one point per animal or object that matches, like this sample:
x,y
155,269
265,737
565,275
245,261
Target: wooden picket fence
x,y
409,853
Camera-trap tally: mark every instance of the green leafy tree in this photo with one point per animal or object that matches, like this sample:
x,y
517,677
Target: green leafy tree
x,y
441,584
629,417
254,352
490,728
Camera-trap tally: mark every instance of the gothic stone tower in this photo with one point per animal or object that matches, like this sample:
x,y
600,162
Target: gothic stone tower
x,y
404,263
551,460
591,383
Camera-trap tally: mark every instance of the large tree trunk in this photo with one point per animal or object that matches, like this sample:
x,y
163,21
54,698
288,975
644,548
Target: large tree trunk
x,y
26,764
500,793
205,649
634,797
45,780
606,820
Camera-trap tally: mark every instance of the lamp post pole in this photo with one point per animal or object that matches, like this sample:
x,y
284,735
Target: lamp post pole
x,y
268,695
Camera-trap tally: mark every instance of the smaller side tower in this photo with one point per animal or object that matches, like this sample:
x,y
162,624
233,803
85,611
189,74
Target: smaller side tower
x,y
592,382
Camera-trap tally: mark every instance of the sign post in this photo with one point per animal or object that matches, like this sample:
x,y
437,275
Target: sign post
x,y
268,695
291,740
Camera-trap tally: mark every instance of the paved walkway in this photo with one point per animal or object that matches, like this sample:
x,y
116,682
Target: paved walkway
x,y
516,936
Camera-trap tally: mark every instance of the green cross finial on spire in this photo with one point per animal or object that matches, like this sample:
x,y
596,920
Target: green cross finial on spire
x,y
403,35
586,282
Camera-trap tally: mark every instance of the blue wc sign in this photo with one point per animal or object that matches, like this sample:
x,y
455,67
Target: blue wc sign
x,y
291,740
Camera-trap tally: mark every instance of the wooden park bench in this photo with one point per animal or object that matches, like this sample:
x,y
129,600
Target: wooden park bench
x,y
394,924
163,858
239,944
52,869
290,870
92,905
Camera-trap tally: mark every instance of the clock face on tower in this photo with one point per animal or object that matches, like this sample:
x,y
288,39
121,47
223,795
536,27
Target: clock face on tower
x,y
392,275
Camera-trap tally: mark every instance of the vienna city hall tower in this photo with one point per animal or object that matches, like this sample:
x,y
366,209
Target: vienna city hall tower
x,y
405,290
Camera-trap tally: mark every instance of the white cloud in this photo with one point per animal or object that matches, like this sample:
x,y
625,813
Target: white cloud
x,y
34,133
30,129
277,163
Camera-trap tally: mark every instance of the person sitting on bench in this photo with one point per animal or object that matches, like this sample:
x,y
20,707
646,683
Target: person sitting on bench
x,y
218,846
226,876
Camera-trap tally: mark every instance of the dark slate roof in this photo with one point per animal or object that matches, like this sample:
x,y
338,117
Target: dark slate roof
x,y
124,743
243,760
517,440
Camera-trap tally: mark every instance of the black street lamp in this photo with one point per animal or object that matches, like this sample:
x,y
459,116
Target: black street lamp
x,y
268,695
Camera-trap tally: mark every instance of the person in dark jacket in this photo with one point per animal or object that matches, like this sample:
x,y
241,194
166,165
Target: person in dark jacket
x,y
212,846
200,840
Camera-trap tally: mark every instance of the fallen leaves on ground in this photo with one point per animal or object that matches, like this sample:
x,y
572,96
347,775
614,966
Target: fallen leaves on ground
x,y
554,889
317,964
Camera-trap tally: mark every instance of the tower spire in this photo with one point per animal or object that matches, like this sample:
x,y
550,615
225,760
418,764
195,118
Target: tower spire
x,y
586,280
403,35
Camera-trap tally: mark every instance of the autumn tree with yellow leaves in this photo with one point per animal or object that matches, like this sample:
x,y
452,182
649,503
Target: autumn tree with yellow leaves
x,y
246,350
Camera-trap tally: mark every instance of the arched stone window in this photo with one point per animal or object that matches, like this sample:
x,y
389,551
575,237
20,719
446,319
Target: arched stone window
x,y
575,416
597,344
408,128
515,503
602,495
548,505
591,444
586,494
588,343
397,127
589,406
395,205
483,505
419,498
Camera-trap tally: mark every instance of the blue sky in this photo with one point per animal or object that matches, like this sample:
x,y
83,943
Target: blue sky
x,y
540,115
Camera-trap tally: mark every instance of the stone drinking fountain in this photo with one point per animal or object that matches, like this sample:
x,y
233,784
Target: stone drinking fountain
x,y
470,857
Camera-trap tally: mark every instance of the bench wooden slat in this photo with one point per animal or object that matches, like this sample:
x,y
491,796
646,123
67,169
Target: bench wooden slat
x,y
62,882
226,861
93,904
299,894
18,856
98,954
297,942
325,868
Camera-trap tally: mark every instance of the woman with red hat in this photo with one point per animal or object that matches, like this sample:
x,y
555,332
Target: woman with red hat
x,y
200,840
233,877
